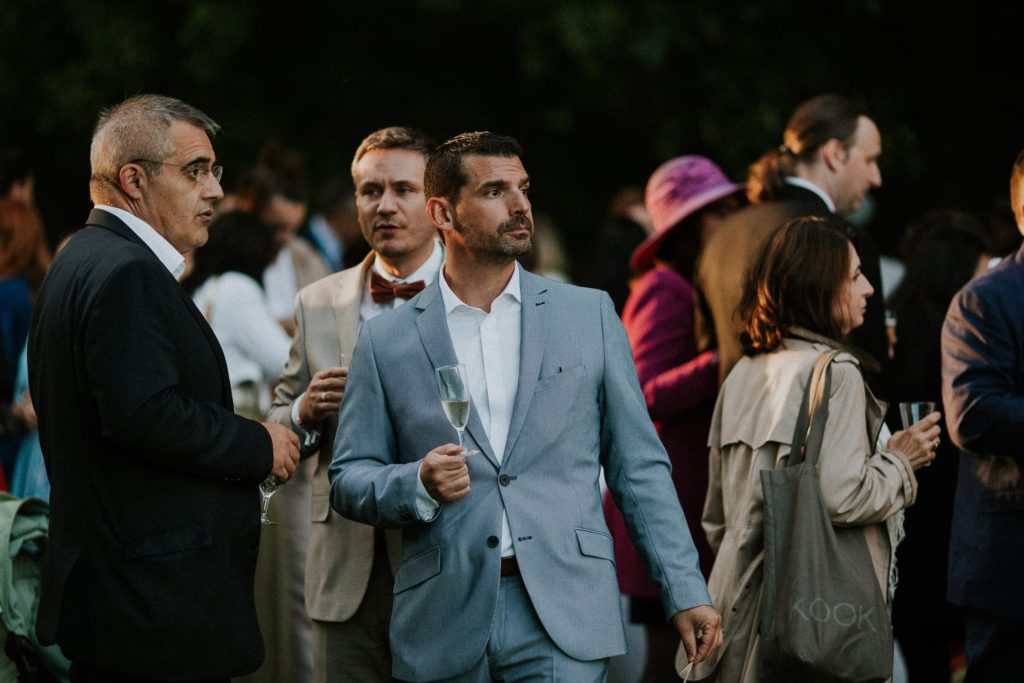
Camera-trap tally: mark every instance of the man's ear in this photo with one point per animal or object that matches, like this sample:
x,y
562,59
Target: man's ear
x,y
441,213
132,179
834,154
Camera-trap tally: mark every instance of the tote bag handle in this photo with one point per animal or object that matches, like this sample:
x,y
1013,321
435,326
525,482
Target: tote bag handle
x,y
810,423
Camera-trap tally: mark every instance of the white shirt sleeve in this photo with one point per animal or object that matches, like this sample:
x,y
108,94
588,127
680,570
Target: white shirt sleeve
x,y
427,507
241,307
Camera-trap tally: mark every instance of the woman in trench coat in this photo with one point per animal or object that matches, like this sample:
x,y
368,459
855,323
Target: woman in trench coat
x,y
803,297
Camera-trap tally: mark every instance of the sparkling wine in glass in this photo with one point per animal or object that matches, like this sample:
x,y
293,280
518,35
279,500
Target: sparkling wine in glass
x,y
267,488
454,389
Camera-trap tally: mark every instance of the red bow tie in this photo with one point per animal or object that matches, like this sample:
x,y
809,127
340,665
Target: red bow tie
x,y
383,290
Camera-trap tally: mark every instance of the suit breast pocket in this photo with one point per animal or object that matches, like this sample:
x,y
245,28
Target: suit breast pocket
x,y
560,378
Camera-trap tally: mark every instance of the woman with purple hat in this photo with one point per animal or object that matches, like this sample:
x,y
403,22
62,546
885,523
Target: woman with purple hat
x,y
687,197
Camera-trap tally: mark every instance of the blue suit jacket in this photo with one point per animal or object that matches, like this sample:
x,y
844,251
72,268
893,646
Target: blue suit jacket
x,y
983,393
578,407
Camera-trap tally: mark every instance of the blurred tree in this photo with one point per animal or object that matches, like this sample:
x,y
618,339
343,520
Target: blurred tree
x,y
599,91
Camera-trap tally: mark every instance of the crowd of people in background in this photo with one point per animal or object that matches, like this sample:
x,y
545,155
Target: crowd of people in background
x,y
728,293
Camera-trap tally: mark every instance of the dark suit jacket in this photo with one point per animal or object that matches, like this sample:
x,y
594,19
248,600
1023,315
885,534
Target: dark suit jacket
x,y
983,394
732,250
154,523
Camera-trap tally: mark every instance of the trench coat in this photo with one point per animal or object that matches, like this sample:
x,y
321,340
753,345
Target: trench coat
x,y
752,427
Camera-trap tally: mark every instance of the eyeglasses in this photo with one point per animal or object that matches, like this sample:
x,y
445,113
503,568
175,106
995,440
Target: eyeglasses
x,y
196,172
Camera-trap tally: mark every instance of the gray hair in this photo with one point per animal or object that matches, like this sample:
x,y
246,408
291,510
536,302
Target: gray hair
x,y
137,129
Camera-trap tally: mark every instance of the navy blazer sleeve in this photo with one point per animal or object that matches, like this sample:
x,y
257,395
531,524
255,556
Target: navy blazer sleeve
x,y
981,365
133,371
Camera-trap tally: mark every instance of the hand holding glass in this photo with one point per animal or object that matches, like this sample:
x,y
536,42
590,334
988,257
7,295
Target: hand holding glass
x,y
269,485
267,488
912,412
454,390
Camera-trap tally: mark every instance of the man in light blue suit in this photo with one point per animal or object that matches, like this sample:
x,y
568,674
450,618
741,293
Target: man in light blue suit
x,y
507,566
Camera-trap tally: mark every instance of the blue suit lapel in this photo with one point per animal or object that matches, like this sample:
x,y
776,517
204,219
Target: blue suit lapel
x,y
533,291
432,325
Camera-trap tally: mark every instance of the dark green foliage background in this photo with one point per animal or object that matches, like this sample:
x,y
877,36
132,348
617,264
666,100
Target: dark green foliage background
x,y
598,91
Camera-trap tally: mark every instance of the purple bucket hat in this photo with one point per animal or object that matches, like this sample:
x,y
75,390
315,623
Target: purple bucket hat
x,y
677,189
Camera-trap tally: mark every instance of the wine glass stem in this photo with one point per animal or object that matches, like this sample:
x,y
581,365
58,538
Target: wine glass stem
x,y
459,432
266,506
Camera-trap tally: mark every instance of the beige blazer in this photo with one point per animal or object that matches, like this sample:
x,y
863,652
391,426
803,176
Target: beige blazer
x,y
341,551
751,430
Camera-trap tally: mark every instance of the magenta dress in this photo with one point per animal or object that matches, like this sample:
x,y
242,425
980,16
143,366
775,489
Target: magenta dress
x,y
680,386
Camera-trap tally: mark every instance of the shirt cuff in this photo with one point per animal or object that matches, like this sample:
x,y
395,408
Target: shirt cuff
x,y
426,507
309,437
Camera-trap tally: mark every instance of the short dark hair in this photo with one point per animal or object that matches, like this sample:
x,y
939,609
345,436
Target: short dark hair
x,y
238,242
815,122
445,176
795,281
393,137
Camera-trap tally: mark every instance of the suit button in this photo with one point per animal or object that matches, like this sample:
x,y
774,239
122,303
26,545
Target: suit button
x,y
504,480
492,541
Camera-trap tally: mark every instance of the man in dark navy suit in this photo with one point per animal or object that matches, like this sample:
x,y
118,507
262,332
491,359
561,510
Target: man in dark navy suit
x,y
154,526
983,393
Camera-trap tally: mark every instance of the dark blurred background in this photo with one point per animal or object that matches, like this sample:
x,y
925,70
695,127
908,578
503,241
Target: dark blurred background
x,y
598,91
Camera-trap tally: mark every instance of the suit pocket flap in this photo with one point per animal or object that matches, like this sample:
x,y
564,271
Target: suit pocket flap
x,y
560,378
320,507
168,541
596,544
418,569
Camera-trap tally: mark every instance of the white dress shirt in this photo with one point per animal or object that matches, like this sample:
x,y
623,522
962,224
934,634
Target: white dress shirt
x,y
173,261
488,345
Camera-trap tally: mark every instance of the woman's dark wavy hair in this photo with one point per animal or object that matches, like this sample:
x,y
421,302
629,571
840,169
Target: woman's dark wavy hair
x,y
238,242
795,281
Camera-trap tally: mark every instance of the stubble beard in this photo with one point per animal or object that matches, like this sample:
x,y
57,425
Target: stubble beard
x,y
498,248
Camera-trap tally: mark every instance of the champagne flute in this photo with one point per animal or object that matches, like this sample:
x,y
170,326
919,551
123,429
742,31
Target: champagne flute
x,y
267,488
454,389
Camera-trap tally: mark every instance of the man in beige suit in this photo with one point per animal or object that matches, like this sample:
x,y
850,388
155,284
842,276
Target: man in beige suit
x,y
350,566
